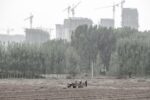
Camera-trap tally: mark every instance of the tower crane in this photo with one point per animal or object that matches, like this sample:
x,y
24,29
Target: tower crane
x,y
30,18
9,30
71,9
114,8
122,3
68,10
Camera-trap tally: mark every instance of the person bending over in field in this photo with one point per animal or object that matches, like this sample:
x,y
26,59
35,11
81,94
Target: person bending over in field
x,y
86,83
80,85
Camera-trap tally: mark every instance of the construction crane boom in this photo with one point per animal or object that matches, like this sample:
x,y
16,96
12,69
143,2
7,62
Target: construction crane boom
x,y
68,10
114,8
30,18
73,8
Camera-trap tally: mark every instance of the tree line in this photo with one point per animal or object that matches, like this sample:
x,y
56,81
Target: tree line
x,y
93,49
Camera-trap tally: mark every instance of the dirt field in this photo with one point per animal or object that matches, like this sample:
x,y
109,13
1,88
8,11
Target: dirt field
x,y
52,89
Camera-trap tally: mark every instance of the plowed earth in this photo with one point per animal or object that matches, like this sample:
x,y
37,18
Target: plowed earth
x,y
52,89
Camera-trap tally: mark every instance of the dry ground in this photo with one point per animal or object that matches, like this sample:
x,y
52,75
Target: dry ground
x,y
52,89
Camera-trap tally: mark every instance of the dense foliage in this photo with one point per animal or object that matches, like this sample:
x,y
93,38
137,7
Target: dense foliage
x,y
114,51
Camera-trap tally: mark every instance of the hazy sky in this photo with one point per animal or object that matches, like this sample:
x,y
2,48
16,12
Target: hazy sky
x,y
47,13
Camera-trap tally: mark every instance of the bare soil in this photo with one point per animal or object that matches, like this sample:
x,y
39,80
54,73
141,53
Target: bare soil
x,y
55,89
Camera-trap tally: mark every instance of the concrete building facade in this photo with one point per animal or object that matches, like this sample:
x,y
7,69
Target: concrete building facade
x,y
65,31
108,23
60,31
36,36
4,38
130,18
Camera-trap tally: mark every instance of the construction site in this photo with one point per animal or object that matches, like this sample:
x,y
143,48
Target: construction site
x,y
89,68
129,18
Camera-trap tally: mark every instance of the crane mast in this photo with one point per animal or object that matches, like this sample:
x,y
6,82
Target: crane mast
x,y
30,18
122,3
71,9
114,8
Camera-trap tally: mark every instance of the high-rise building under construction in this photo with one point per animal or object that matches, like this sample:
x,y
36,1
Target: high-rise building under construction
x,y
108,23
36,35
65,30
130,18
